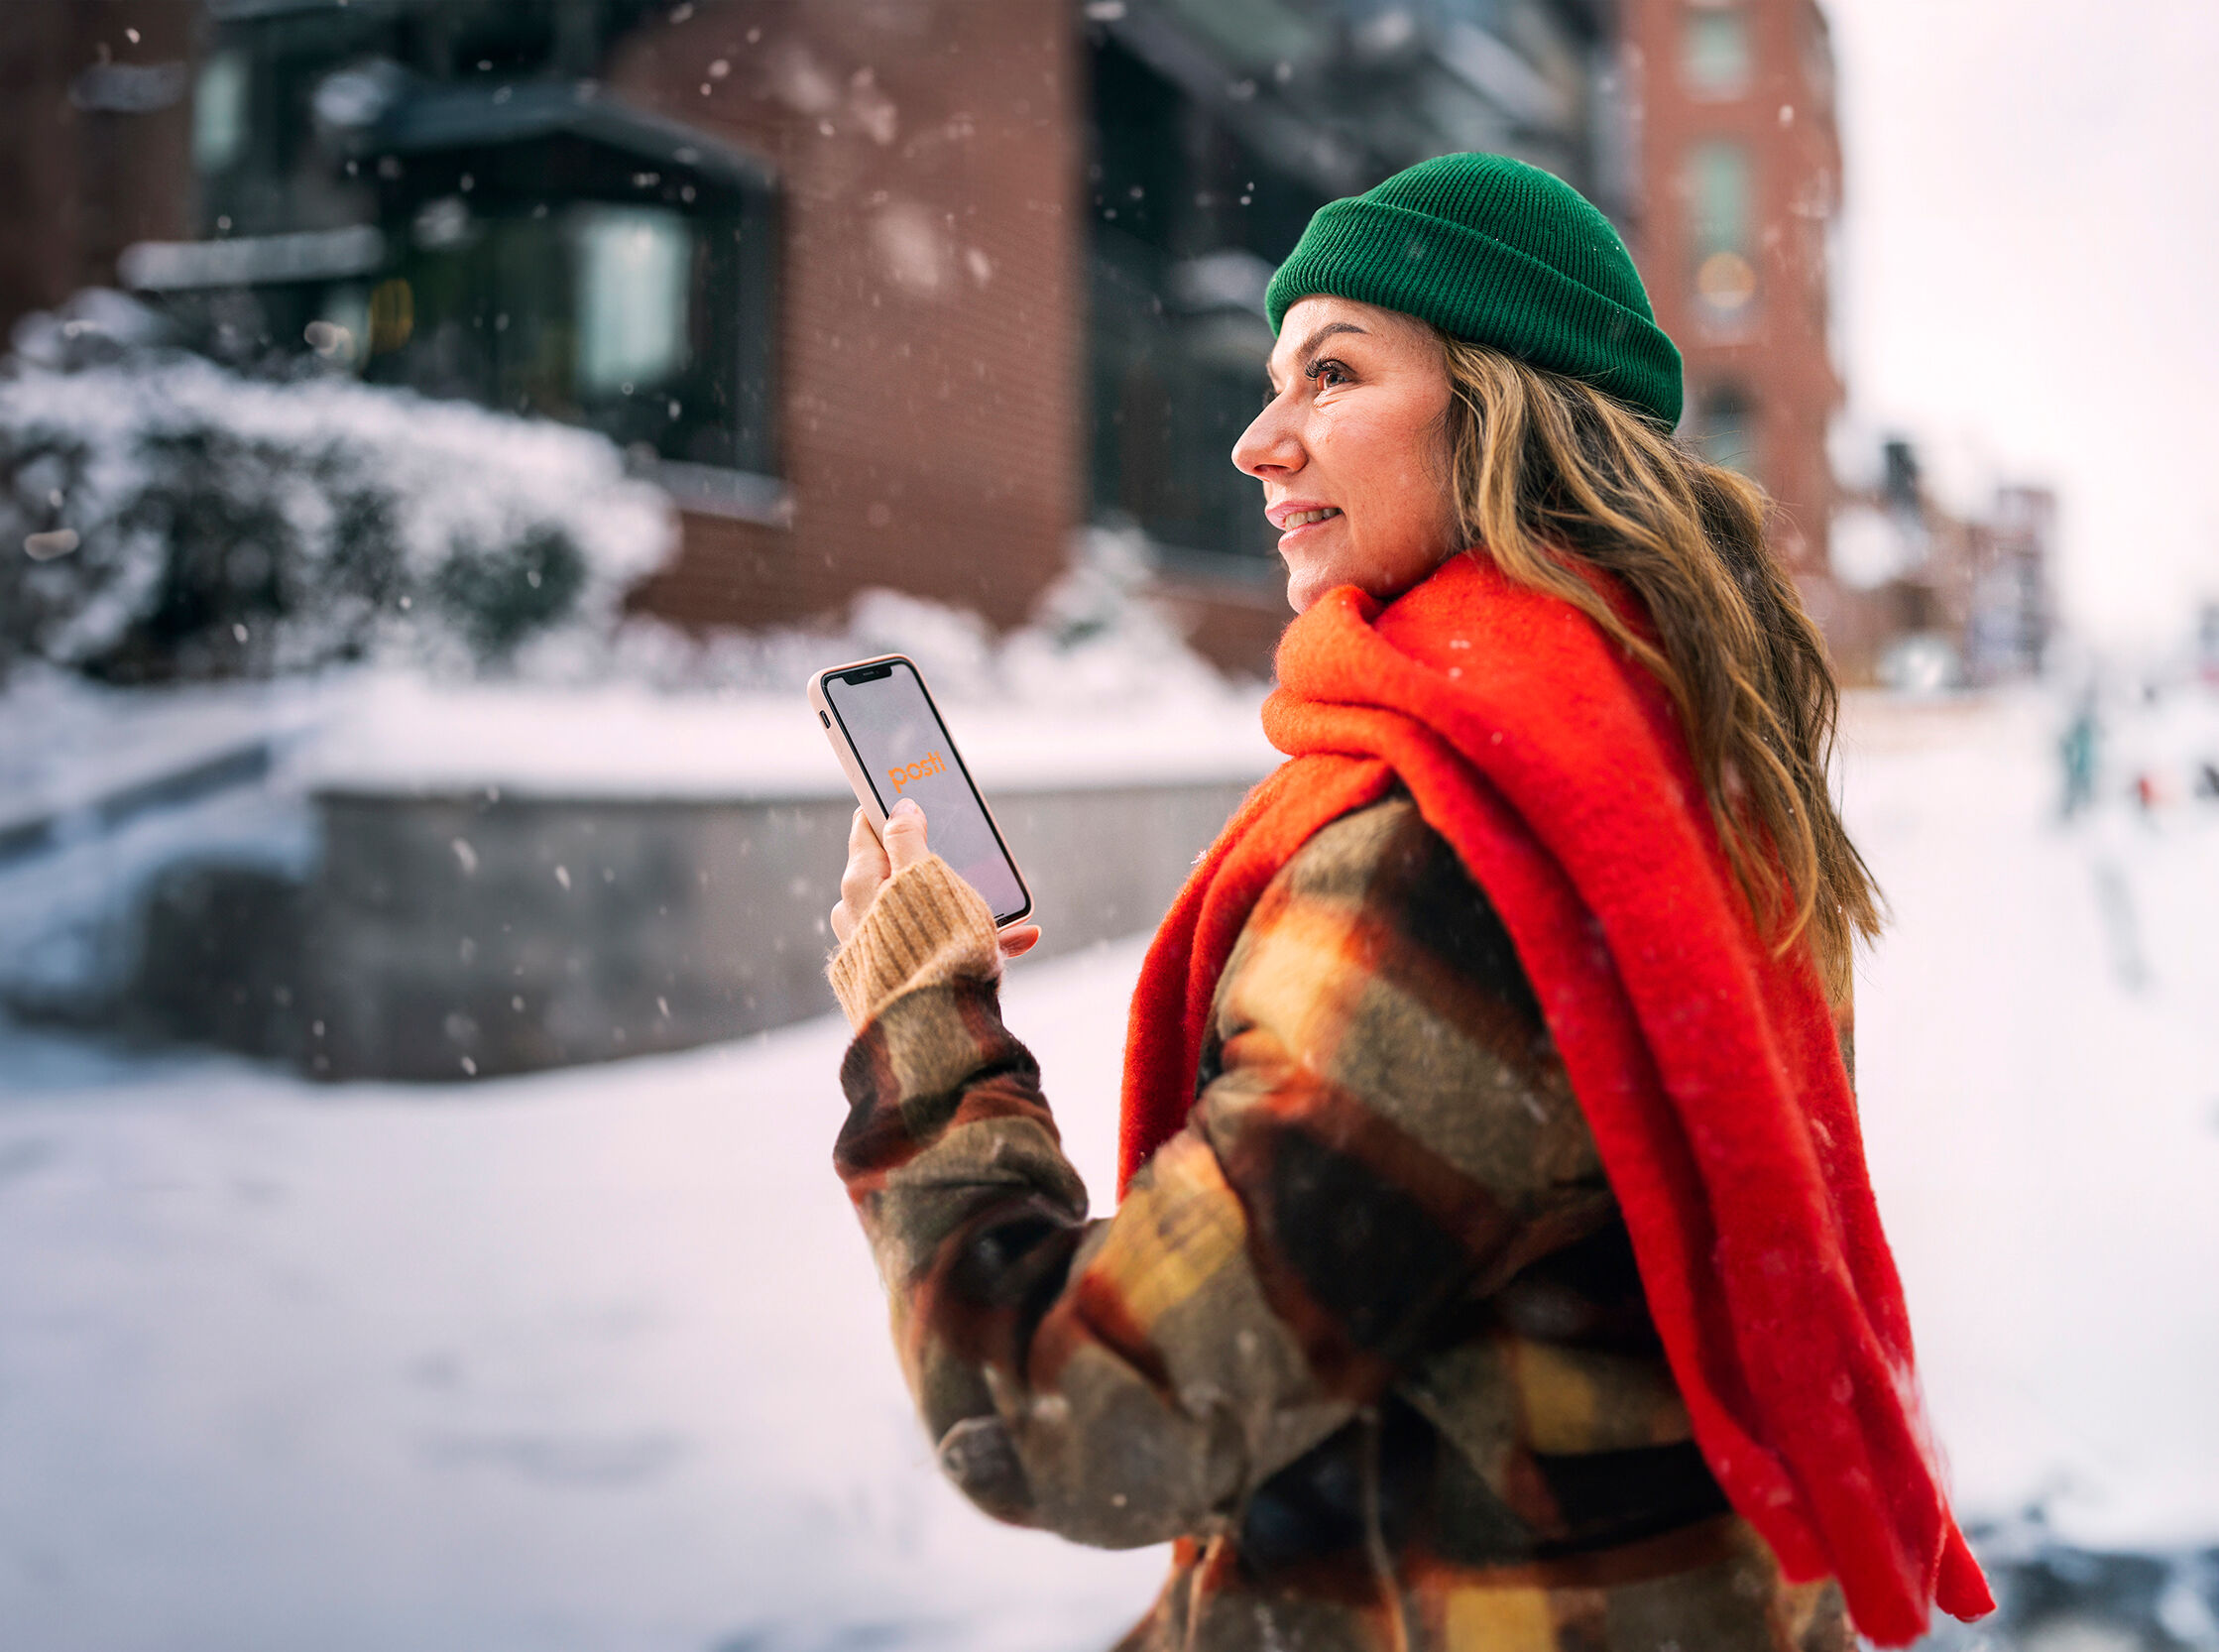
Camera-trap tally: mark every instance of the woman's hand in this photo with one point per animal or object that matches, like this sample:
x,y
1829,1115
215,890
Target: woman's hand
x,y
870,863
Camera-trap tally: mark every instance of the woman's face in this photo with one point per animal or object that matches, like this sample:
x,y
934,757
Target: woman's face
x,y
1352,450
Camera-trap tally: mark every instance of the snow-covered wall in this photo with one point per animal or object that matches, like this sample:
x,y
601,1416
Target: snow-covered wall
x,y
462,935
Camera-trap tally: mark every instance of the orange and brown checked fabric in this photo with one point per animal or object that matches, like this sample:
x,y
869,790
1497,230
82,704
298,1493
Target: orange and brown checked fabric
x,y
1366,1338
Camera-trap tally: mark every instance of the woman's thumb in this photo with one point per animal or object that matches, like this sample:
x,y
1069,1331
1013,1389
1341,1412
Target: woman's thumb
x,y
905,835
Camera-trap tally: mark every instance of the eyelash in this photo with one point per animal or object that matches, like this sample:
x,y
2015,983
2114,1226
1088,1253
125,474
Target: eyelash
x,y
1315,370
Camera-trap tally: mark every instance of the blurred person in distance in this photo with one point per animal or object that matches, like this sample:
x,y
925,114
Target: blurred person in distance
x,y
2076,749
1496,1264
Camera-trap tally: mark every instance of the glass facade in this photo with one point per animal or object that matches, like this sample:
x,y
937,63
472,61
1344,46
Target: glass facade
x,y
1187,223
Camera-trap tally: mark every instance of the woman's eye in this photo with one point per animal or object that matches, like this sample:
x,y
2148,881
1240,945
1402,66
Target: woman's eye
x,y
1328,373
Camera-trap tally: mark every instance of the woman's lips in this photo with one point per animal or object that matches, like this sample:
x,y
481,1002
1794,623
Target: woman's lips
x,y
1292,524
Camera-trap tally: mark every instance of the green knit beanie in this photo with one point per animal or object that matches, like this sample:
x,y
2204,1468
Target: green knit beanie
x,y
1495,251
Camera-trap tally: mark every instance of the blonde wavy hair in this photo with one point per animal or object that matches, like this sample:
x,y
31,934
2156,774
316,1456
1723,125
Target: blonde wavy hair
x,y
1547,469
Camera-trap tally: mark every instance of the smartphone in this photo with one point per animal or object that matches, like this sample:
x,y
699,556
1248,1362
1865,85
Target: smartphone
x,y
891,741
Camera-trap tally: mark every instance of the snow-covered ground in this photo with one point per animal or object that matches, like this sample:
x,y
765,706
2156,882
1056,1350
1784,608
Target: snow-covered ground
x,y
2039,1068
596,1361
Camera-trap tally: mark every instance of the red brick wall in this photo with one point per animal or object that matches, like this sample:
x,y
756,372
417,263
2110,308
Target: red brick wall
x,y
78,186
931,364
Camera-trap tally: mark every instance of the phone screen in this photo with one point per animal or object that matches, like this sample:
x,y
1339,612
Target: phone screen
x,y
905,752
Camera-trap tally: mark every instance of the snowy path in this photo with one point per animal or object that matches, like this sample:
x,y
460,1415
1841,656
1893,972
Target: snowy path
x,y
595,1361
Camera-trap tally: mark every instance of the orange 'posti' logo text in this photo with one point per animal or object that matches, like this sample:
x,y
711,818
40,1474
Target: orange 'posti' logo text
x,y
902,773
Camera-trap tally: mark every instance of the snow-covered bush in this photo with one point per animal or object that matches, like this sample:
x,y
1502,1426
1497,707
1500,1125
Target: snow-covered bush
x,y
1097,638
161,516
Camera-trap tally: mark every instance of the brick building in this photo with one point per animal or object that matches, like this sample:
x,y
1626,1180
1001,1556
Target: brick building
x,y
889,294
928,342
1947,597
1740,168
817,266
94,107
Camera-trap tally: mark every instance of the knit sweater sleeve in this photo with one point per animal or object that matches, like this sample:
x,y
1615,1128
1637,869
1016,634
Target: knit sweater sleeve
x,y
1382,1133
927,926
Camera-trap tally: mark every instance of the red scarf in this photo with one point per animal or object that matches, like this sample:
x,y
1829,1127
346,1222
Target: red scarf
x,y
1709,1069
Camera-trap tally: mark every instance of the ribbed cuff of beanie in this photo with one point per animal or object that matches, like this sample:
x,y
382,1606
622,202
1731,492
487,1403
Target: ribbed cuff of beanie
x,y
1477,287
925,925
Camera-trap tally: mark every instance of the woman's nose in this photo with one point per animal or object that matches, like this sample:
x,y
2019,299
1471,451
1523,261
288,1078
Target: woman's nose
x,y
1268,443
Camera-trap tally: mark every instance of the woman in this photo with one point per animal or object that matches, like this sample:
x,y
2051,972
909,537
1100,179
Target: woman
x,y
1496,1266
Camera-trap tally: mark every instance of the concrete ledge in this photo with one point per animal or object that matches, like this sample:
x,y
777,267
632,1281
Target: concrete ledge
x,y
451,936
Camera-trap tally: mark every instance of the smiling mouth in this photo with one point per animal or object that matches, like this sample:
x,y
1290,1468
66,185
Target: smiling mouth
x,y
1303,518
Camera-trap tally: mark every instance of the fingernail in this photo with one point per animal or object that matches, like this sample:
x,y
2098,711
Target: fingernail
x,y
908,805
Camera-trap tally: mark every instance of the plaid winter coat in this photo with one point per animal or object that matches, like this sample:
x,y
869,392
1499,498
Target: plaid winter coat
x,y
1365,1341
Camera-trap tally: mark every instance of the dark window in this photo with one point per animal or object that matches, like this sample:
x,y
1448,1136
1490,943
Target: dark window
x,y
570,281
